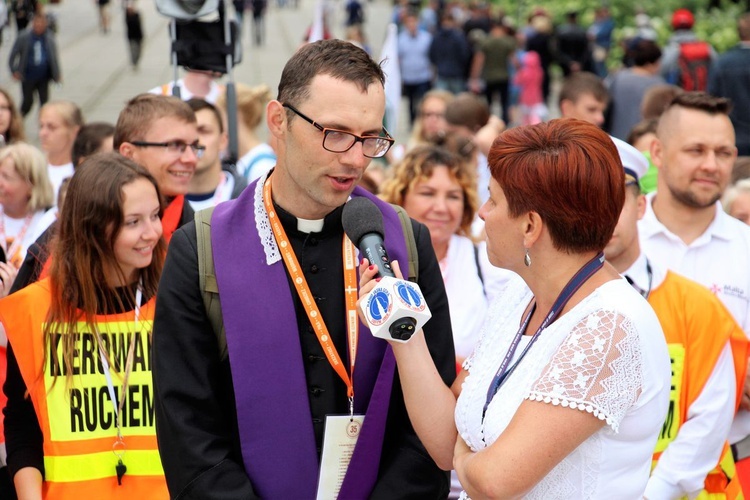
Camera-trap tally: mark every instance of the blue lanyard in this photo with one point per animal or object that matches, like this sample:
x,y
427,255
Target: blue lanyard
x,y
570,289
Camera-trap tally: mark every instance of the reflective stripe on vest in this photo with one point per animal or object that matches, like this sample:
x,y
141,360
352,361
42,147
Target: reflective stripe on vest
x,y
722,482
100,465
674,414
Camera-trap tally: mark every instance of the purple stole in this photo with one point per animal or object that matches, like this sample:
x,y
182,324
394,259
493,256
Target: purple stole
x,y
271,394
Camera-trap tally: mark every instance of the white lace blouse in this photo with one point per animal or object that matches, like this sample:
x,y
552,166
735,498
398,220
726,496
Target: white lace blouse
x,y
606,356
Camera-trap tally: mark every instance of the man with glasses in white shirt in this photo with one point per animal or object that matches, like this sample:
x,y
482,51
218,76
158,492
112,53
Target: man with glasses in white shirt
x,y
161,134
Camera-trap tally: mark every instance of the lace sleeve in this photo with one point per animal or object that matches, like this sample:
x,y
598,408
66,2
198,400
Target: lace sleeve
x,y
596,369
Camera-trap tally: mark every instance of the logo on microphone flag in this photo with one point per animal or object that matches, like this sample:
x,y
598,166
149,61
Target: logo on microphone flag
x,y
410,296
379,306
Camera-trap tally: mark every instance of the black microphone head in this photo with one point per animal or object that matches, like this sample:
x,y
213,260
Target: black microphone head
x,y
361,217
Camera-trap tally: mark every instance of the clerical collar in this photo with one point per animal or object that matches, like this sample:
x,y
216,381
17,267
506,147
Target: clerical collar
x,y
310,226
330,224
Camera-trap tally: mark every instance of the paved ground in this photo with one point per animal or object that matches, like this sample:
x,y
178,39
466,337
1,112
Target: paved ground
x,y
96,70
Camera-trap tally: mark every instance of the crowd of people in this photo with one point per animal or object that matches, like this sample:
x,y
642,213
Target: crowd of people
x,y
488,53
182,323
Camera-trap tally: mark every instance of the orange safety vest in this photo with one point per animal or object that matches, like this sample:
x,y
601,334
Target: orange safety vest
x,y
77,423
697,326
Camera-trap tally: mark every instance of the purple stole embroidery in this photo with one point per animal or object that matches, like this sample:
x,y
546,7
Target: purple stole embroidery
x,y
271,394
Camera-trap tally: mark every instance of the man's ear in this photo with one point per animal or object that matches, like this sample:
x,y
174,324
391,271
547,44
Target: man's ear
x,y
641,206
127,150
656,150
276,118
223,142
565,105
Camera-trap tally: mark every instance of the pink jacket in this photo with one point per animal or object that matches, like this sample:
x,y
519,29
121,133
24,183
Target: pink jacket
x,y
529,78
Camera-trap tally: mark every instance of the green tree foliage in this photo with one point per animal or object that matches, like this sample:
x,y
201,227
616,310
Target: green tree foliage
x,y
717,24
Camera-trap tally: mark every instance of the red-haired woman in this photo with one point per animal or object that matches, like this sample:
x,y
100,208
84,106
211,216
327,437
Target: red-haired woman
x,y
568,386
79,421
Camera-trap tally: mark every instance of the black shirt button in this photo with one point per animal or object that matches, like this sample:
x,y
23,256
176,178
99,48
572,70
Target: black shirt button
x,y
313,269
316,391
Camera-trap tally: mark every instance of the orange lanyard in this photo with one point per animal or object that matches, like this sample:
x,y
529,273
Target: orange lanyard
x,y
308,302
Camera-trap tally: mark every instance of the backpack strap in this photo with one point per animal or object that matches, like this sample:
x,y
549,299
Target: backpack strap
x,y
207,278
210,288
411,242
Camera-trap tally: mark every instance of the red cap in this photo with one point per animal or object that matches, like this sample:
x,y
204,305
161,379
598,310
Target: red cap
x,y
682,19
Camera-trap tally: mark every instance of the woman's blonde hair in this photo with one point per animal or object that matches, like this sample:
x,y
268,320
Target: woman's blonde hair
x,y
69,112
31,165
251,102
418,165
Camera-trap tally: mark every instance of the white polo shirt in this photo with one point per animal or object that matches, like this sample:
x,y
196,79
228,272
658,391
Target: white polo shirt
x,y
719,259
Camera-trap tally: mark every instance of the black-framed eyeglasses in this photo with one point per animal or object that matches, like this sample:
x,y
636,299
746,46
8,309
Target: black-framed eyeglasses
x,y
174,147
340,141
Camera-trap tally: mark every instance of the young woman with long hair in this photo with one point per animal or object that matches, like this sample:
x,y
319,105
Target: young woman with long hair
x,y
79,420
11,123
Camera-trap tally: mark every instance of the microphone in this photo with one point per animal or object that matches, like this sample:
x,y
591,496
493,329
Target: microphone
x,y
363,224
395,309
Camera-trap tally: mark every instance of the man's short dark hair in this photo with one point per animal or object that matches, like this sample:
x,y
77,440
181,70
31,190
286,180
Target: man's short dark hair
x,y
467,110
645,52
583,83
336,58
702,101
197,104
89,140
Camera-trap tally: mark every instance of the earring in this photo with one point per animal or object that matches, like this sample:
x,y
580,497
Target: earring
x,y
527,259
